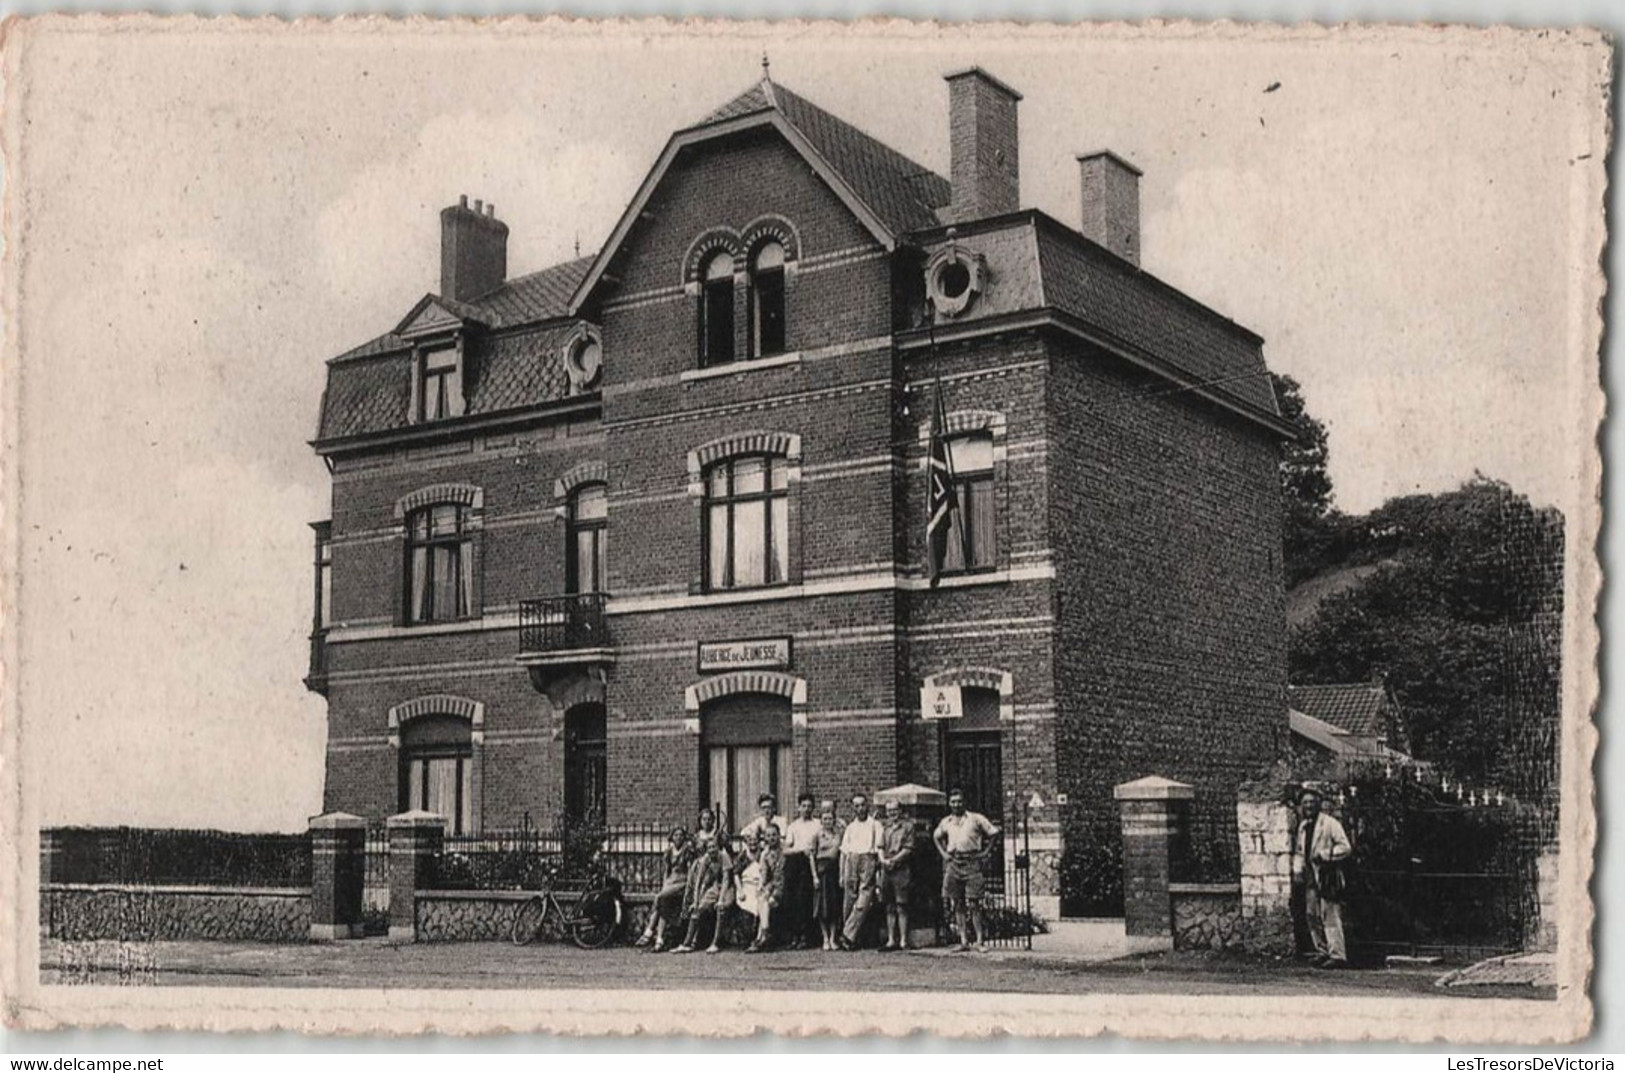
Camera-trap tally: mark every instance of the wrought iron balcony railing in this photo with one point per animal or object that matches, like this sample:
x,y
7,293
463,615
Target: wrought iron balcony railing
x,y
563,623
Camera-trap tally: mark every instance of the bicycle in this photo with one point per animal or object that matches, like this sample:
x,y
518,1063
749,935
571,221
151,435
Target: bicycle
x,y
598,914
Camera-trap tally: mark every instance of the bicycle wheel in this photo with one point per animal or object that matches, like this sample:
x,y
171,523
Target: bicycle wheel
x,y
528,922
597,915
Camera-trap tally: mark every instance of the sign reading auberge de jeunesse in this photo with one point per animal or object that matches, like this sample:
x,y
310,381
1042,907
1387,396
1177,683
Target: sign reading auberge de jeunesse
x,y
765,653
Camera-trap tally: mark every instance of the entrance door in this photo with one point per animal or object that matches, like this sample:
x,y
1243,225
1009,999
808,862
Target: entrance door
x,y
585,765
973,762
974,765
745,752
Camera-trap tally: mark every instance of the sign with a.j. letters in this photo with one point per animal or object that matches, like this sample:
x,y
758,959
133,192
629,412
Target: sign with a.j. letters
x,y
766,653
941,702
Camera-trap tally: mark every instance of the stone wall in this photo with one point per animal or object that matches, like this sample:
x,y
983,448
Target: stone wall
x,y
1264,829
470,916
1206,916
95,911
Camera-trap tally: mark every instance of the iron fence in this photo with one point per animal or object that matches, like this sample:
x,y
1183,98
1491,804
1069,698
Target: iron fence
x,y
141,856
1432,876
520,859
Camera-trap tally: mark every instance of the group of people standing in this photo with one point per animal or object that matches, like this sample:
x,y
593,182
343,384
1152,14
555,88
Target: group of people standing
x,y
811,879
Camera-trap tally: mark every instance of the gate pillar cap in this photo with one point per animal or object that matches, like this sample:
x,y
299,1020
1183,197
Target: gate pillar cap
x,y
1153,788
336,821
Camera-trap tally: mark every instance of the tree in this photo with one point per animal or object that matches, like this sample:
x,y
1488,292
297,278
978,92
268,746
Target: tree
x,y
1464,620
1311,525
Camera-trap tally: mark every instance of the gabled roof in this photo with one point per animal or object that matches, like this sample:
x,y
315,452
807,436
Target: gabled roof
x,y
1340,742
1353,708
887,191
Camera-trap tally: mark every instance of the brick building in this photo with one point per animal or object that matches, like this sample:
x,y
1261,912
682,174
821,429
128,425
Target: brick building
x,y
647,529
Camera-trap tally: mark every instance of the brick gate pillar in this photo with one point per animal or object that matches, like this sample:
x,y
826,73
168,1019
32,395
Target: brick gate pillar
x,y
415,839
337,871
1150,822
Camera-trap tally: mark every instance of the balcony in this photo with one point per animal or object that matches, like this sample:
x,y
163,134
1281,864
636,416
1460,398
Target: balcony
x,y
565,631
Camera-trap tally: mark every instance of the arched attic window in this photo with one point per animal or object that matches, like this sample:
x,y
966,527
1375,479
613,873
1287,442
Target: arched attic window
x,y
767,300
717,309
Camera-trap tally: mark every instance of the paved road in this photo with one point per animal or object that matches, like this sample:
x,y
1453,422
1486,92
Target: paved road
x,y
375,963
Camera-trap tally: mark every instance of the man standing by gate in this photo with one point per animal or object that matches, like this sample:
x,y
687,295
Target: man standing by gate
x,y
1321,849
964,839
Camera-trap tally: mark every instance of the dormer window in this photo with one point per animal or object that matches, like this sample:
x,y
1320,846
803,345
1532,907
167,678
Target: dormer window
x,y
717,310
440,384
767,300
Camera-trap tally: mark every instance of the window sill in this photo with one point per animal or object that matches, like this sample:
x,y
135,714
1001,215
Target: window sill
x,y
777,361
991,576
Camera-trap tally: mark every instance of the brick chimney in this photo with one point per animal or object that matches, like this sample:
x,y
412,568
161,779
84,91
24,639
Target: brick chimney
x,y
473,250
1111,203
983,146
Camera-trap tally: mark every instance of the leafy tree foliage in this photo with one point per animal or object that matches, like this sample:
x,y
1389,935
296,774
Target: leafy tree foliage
x,y
1464,618
1312,527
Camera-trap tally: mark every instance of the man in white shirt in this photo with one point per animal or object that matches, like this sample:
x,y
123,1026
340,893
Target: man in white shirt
x,y
860,864
964,839
1320,848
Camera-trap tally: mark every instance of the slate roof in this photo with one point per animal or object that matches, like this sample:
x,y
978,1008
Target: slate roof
x,y
1102,289
538,296
369,388
901,192
1355,708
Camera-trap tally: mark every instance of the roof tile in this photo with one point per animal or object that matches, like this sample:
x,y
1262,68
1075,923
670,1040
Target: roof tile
x,y
1355,708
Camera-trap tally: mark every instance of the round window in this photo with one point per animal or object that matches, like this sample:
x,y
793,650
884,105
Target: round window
x,y
584,359
953,278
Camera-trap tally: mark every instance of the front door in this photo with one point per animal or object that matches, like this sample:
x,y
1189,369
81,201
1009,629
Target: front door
x,y
585,768
974,764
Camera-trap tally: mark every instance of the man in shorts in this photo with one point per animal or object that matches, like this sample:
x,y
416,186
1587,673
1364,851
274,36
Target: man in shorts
x,y
964,839
896,856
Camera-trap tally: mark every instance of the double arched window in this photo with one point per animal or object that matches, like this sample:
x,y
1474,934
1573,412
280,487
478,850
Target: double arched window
x,y
764,253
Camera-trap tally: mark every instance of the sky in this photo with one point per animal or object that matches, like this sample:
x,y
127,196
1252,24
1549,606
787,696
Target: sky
x,y
206,216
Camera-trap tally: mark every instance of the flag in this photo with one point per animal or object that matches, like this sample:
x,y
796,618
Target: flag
x,y
943,504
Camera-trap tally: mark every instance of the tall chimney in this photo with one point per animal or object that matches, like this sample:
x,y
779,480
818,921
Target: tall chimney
x,y
473,250
1111,203
983,146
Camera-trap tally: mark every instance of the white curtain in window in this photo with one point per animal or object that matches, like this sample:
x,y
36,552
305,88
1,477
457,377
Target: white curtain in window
x,y
781,539
465,580
983,522
750,551
414,785
718,769
752,777
444,581
420,584
441,784
718,550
